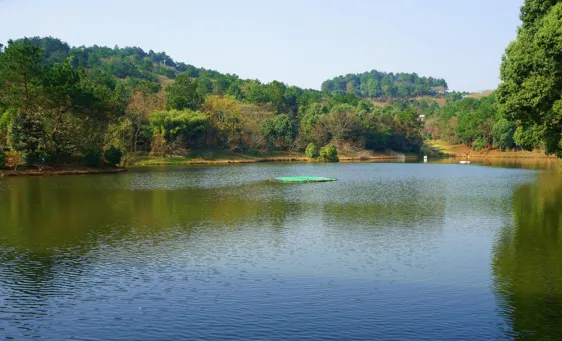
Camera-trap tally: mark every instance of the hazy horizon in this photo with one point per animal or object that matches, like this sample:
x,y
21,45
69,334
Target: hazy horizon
x,y
297,43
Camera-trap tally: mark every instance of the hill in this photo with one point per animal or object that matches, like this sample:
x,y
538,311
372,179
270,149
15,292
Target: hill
x,y
381,85
59,102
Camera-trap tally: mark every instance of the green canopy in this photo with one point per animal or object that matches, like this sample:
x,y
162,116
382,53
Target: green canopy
x,y
301,179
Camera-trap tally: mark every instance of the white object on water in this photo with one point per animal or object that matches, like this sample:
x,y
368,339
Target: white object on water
x,y
464,162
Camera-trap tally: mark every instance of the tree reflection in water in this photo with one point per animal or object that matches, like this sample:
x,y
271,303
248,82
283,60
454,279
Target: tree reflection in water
x,y
527,262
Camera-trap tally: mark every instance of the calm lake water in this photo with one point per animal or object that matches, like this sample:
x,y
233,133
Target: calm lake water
x,y
389,252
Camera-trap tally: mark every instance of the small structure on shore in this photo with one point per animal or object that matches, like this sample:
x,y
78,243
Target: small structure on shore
x,y
302,179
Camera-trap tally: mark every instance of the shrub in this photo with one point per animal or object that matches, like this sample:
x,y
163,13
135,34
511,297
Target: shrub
x,y
329,153
113,156
479,144
2,159
14,160
312,151
38,159
425,151
142,153
92,159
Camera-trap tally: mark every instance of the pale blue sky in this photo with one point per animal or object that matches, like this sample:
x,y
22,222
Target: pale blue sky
x,y
298,42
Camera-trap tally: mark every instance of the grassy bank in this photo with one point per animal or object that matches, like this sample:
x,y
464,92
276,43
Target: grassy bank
x,y
66,170
462,151
223,157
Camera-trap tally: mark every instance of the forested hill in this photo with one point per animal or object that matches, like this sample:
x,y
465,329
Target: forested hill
x,y
151,69
136,66
59,102
376,84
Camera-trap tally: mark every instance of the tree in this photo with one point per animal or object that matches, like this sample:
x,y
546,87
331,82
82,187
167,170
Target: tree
x,y
204,86
279,130
534,10
141,105
113,155
66,100
529,137
21,75
225,118
183,94
502,134
187,125
312,151
531,91
342,122
27,132
252,116
329,153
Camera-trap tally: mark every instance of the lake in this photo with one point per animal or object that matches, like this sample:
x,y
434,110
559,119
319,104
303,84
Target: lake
x,y
391,251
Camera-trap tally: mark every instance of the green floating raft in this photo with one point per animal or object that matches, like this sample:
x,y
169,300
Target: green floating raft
x,y
302,179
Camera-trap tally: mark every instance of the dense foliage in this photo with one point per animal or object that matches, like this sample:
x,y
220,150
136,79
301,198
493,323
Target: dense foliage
x,y
113,155
58,102
531,71
473,122
526,110
375,84
312,151
329,153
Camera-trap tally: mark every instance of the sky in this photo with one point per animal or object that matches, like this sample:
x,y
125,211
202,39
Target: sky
x,y
298,42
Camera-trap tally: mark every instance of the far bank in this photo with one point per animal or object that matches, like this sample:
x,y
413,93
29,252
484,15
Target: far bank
x,y
224,157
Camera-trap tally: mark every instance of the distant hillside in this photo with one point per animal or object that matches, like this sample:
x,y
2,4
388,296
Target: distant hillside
x,y
480,94
136,67
131,64
381,85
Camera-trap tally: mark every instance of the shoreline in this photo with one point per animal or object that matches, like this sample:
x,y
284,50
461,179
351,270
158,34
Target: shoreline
x,y
180,161
56,172
459,151
163,161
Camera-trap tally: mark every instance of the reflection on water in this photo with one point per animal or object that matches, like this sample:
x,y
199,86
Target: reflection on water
x,y
546,163
388,252
527,262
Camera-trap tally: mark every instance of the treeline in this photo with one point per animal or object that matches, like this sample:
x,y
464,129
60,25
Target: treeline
x,y
58,103
477,123
531,89
525,111
375,84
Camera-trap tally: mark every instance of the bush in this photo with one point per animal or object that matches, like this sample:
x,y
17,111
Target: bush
x,y
329,153
113,156
38,159
2,159
479,144
92,159
14,160
312,151
142,153
425,151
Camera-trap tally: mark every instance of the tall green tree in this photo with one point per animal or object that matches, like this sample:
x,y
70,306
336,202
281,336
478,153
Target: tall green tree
x,y
187,124
502,134
21,75
183,94
531,71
